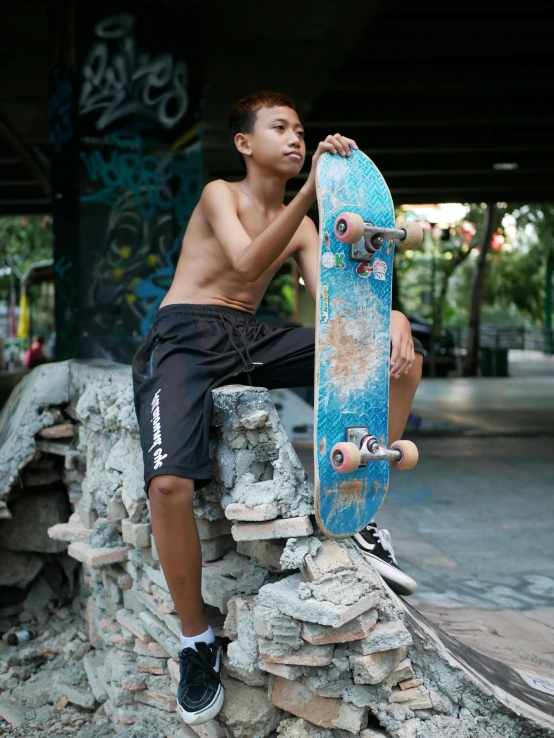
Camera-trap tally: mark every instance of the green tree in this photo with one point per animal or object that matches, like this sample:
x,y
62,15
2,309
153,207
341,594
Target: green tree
x,y
535,229
23,241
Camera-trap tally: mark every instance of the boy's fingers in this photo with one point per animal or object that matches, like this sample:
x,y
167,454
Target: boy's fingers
x,y
345,143
408,359
403,361
338,144
394,360
399,368
327,146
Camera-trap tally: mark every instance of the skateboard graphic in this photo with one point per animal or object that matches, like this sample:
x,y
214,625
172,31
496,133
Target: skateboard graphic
x,y
357,233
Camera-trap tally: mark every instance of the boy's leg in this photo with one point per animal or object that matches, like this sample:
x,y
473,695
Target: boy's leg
x,y
173,405
178,547
401,395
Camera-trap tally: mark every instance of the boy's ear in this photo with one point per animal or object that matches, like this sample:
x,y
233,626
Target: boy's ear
x,y
243,144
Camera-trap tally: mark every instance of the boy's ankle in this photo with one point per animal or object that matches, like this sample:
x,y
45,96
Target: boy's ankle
x,y
206,636
191,631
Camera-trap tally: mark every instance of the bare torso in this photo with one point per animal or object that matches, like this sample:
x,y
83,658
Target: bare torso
x,y
204,275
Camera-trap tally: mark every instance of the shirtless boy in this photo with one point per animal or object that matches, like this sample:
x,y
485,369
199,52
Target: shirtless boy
x,y
205,335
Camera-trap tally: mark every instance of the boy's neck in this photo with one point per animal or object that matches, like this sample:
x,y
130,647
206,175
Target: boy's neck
x,y
267,190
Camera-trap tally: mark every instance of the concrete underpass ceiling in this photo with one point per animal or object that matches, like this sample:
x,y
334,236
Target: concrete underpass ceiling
x,y
437,94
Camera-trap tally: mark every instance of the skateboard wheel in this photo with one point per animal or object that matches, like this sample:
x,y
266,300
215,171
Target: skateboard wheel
x,y
414,235
409,457
349,227
345,457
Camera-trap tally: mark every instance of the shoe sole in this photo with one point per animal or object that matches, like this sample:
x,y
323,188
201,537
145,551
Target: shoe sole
x,y
397,580
192,718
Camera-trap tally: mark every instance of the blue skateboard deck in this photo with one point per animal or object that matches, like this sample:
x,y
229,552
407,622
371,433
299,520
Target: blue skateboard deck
x,y
352,342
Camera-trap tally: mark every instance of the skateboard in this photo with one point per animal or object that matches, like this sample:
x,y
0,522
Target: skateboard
x,y
351,388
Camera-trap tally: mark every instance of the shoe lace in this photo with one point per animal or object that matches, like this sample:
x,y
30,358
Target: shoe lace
x,y
383,536
195,677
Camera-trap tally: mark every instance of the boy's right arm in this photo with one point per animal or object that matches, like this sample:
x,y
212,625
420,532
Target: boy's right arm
x,y
250,258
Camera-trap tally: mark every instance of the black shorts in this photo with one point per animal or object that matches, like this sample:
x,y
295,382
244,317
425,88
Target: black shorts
x,y
190,351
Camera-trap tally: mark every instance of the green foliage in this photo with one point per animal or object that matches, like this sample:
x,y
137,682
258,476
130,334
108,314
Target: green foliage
x,y
280,293
514,289
516,280
425,275
24,241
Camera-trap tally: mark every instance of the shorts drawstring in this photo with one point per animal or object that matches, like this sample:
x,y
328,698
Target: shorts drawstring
x,y
247,364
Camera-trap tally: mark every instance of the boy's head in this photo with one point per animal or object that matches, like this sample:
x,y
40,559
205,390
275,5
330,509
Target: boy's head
x,y
264,127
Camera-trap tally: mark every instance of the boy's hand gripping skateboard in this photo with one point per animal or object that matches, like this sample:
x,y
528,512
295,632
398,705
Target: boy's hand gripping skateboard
x,y
357,235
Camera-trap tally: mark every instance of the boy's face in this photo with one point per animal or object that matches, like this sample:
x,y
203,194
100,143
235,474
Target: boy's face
x,y
277,141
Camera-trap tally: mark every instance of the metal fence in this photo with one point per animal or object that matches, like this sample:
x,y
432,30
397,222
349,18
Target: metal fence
x,y
507,337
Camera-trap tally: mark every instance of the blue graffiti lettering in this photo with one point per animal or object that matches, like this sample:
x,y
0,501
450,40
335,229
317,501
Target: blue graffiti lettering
x,y
153,182
62,265
59,111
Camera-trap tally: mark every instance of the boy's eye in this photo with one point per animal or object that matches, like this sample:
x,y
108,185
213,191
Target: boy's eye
x,y
300,133
280,126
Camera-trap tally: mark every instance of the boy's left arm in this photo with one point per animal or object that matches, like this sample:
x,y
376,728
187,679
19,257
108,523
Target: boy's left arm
x,y
306,256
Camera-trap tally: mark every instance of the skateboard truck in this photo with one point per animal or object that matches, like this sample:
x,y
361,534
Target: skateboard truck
x,y
360,448
366,239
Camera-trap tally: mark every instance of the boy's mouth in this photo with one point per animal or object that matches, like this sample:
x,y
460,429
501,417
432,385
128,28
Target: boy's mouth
x,y
295,155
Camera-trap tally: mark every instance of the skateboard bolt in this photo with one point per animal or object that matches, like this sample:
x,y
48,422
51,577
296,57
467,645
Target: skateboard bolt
x,y
338,457
377,241
341,226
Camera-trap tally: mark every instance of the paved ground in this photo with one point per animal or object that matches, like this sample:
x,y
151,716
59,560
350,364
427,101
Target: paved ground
x,y
474,521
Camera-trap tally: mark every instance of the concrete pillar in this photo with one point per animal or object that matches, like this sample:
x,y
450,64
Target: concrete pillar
x,y
124,112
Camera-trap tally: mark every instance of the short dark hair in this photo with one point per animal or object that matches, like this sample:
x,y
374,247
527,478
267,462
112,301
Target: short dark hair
x,y
243,114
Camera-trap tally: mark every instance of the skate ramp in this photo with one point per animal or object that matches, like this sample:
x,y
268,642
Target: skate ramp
x,y
527,693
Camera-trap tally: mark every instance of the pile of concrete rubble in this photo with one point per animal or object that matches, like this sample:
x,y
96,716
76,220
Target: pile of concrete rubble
x,y
316,645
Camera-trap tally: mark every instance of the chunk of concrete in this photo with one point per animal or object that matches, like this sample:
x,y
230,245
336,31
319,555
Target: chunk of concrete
x,y
267,553
280,528
384,637
247,710
284,596
240,512
354,630
296,698
97,557
330,558
374,668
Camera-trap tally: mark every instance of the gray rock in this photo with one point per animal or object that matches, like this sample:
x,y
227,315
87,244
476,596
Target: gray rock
x,y
44,509
18,569
25,413
247,711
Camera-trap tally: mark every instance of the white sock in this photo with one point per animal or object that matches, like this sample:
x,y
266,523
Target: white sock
x,y
189,641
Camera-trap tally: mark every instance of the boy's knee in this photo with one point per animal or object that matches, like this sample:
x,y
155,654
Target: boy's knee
x,y
168,489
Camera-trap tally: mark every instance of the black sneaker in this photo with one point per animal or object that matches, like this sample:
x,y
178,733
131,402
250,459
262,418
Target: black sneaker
x,y
200,693
376,546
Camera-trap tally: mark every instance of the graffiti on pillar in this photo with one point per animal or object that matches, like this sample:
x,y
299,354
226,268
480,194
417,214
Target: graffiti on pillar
x,y
67,344
147,193
125,171
59,110
120,81
139,174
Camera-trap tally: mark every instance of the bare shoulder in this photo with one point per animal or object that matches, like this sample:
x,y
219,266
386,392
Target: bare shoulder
x,y
216,196
218,188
